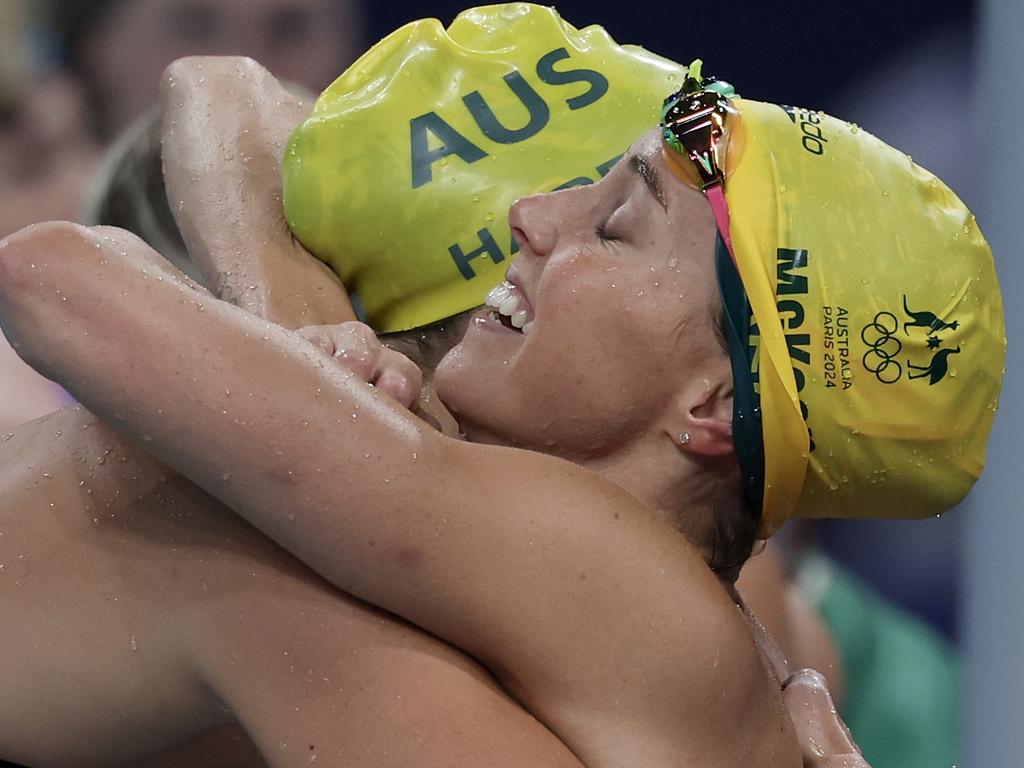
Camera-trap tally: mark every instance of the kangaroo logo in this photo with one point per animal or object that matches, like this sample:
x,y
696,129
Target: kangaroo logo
x,y
936,370
883,348
927,320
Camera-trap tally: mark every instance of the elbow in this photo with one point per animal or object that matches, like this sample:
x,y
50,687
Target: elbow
x,y
33,264
220,77
27,255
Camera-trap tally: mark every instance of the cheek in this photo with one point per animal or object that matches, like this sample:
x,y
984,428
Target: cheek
x,y
631,307
607,345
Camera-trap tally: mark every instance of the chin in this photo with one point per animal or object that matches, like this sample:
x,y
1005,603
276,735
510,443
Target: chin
x,y
467,380
458,382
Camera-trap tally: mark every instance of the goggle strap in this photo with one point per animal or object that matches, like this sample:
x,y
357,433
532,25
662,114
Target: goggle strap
x,y
720,209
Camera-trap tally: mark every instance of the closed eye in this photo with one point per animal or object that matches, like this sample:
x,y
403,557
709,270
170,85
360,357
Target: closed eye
x,y
604,235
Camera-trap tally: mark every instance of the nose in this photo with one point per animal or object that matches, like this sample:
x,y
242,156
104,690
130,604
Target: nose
x,y
534,225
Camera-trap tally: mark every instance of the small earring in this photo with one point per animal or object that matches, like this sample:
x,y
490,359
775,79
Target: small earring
x,y
684,438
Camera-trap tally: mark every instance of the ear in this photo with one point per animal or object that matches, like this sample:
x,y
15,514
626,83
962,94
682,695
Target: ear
x,y
701,424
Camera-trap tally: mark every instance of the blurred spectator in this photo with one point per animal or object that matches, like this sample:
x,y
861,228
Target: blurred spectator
x,y
120,48
46,155
45,161
66,94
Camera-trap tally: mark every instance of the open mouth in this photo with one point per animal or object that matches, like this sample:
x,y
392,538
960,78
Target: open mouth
x,y
510,308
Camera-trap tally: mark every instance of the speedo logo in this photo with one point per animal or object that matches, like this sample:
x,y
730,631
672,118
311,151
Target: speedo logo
x,y
813,139
790,289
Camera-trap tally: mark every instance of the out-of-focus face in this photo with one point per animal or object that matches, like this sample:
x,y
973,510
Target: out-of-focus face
x,y
308,42
618,287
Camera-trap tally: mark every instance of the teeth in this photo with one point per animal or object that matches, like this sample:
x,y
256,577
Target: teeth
x,y
527,328
498,294
509,306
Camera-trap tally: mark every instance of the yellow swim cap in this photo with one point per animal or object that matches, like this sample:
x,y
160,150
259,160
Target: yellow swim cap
x,y
402,178
877,339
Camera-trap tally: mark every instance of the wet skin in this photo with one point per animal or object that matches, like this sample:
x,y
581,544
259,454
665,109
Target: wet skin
x,y
604,559
163,496
225,624
140,612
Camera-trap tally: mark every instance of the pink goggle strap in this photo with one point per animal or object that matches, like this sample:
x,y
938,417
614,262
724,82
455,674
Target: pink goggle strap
x,y
720,209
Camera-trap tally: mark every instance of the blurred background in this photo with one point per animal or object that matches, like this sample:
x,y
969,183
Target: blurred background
x,y
74,74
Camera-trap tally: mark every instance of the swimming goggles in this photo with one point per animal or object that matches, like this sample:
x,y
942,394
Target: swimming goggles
x,y
694,125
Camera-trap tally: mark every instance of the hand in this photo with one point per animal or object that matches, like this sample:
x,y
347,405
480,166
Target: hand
x,y
356,346
825,741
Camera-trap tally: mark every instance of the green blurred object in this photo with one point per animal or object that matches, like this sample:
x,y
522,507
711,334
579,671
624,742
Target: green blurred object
x,y
902,678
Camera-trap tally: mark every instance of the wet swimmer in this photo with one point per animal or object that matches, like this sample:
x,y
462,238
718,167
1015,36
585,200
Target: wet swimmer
x,y
113,516
528,654
127,521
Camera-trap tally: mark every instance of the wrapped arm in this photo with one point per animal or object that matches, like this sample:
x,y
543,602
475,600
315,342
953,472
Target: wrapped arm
x,y
226,123
559,582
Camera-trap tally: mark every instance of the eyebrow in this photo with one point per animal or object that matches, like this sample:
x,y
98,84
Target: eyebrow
x,y
643,168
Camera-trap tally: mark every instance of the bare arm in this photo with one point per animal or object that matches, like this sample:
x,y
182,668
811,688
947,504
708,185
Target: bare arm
x,y
137,610
226,123
557,581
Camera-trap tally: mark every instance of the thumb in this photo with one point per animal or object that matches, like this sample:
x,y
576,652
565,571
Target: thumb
x,y
825,741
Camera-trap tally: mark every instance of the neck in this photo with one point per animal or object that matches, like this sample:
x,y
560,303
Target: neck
x,y
695,497
677,488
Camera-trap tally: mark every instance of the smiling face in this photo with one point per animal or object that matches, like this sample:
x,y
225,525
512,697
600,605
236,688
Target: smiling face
x,y
615,289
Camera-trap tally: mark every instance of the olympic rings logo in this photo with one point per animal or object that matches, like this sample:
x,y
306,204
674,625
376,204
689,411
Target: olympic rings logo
x,y
883,347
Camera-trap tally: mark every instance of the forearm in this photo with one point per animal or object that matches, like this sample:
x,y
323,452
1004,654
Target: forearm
x,y
226,124
357,488
239,405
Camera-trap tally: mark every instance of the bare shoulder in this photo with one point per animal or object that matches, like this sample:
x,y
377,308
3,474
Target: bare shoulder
x,y
607,597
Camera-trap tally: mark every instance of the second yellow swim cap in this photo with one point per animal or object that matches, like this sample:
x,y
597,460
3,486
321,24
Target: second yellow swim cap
x,y
877,340
403,177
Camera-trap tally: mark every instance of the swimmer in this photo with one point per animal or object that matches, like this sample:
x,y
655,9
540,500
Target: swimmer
x,y
436,560
126,520
146,613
